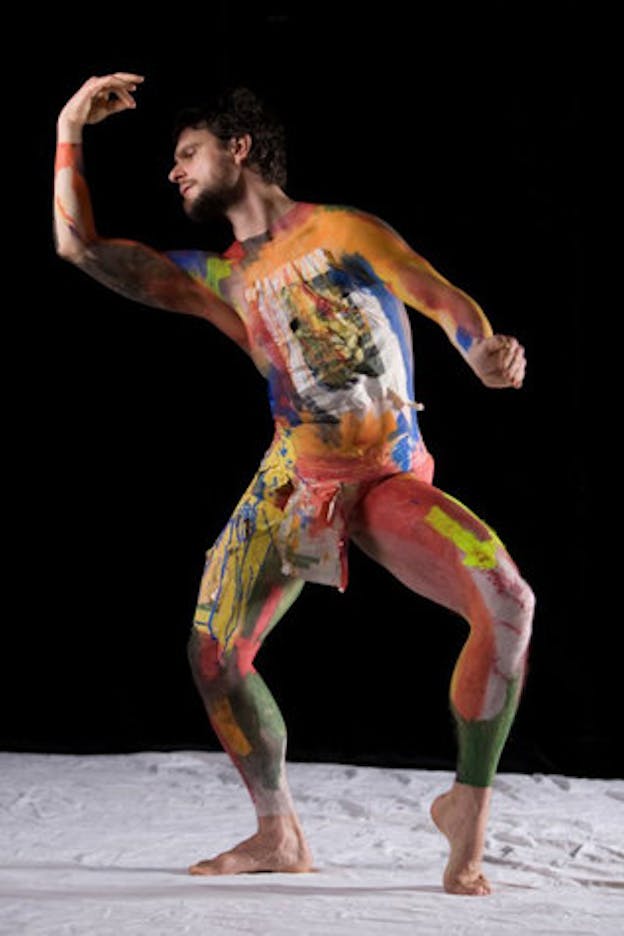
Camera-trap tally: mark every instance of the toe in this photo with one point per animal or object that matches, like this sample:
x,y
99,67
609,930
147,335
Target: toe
x,y
201,867
480,887
464,884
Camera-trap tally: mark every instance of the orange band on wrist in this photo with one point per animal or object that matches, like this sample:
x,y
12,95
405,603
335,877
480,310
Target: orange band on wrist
x,y
68,155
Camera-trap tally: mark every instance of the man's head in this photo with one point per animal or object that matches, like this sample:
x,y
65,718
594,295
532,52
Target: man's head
x,y
219,141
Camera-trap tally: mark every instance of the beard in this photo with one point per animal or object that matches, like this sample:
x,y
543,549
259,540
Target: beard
x,y
213,202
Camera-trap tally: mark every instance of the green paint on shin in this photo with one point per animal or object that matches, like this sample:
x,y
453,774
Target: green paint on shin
x,y
480,742
263,725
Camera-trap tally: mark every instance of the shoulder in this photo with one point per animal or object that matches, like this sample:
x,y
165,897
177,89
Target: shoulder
x,y
355,229
351,217
341,213
321,222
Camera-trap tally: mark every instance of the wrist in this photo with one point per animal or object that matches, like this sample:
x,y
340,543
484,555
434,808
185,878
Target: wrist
x,y
68,131
470,348
473,356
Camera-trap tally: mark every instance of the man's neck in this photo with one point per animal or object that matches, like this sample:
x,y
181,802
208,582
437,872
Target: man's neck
x,y
258,210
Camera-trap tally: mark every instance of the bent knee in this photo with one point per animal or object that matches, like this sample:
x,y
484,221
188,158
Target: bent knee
x,y
528,598
525,600
203,654
513,624
210,666
509,599
510,590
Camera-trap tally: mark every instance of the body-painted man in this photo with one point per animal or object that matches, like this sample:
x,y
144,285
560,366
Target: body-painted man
x,y
316,295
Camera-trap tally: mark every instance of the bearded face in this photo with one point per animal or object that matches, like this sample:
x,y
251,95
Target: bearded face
x,y
207,174
212,200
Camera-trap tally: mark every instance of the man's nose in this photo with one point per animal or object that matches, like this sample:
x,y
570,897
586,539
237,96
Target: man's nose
x,y
175,174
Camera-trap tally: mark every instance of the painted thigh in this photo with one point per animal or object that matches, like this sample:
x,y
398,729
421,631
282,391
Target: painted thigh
x,y
440,549
243,592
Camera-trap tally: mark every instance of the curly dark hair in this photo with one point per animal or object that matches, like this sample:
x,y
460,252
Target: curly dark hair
x,y
233,112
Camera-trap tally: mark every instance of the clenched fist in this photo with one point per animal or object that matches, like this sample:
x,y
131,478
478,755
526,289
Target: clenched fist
x,y
98,98
498,361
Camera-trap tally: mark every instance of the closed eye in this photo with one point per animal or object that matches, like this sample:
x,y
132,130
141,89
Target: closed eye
x,y
186,153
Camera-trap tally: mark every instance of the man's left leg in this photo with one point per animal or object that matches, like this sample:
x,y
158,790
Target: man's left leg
x,y
440,549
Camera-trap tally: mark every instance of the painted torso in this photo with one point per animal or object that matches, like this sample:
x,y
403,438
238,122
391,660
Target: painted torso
x,y
331,339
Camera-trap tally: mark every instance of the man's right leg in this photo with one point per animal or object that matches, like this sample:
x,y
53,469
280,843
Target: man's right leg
x,y
243,595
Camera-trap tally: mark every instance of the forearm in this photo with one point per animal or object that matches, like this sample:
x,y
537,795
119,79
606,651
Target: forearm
x,y
74,227
497,360
463,319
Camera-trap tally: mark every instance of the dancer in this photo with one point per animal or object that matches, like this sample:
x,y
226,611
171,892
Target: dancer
x,y
316,295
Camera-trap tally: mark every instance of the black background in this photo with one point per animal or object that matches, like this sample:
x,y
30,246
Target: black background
x,y
137,429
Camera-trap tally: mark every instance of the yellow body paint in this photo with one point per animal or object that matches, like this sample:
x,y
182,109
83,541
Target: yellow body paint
x,y
216,270
479,554
242,548
223,717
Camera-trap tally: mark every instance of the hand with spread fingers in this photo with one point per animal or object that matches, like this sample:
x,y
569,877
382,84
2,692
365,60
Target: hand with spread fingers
x,y
498,361
98,98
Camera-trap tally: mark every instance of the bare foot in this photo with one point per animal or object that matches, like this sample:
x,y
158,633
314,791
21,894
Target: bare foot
x,y
278,845
461,815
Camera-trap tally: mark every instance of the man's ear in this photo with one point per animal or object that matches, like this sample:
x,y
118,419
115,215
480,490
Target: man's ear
x,y
240,147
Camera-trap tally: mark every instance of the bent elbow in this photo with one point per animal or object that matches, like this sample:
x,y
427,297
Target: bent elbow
x,y
72,256
70,251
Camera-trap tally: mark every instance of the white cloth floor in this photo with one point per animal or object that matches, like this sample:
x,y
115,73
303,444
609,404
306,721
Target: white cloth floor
x,y
98,845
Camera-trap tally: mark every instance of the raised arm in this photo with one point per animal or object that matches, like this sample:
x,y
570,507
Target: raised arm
x,y
498,360
128,267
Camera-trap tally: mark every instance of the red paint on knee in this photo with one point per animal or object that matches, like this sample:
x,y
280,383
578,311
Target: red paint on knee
x,y
246,649
209,655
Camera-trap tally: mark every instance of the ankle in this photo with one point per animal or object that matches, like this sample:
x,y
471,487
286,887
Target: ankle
x,y
475,794
278,825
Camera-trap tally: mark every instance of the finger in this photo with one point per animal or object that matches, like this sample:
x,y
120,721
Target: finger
x,y
120,94
510,362
512,354
110,104
127,98
516,374
516,377
510,357
495,343
502,360
119,104
500,376
129,76
112,82
114,107
520,367
498,343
